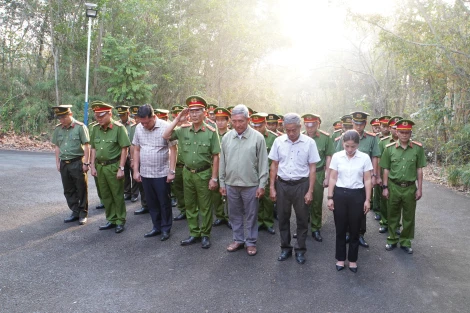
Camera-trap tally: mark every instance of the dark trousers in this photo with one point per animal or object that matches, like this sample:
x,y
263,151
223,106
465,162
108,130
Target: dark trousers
x,y
348,213
131,187
287,196
157,192
75,184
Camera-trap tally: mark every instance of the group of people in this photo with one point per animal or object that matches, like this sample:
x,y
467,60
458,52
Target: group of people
x,y
247,168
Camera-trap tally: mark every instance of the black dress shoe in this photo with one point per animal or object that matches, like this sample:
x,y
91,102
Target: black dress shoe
x,y
229,225
82,220
353,269
383,229
339,267
285,255
108,225
407,249
191,240
100,206
219,222
126,198
180,217
141,211
300,257
152,233
347,238
316,235
377,217
71,218
165,236
119,229
134,199
206,243
271,230
362,242
390,247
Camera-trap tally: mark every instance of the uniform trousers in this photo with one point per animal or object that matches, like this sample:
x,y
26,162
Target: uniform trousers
x,y
317,202
130,185
75,184
290,195
197,198
177,187
265,211
348,213
218,205
401,199
158,202
111,190
243,206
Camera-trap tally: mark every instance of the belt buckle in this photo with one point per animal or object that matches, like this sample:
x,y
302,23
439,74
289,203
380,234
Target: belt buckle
x,y
403,185
192,171
67,161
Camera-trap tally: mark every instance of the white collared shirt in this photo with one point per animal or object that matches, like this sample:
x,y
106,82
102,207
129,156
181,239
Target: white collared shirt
x,y
294,157
350,171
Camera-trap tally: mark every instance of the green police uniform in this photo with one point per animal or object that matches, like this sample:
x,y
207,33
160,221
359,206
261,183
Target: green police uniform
x,y
91,127
197,149
325,148
139,186
108,144
177,187
131,188
402,165
337,133
218,202
70,141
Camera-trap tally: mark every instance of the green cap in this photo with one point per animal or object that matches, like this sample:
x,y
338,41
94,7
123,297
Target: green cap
x,y
196,102
311,118
272,118
122,109
221,112
404,124
134,109
211,107
394,120
346,119
101,107
359,117
62,109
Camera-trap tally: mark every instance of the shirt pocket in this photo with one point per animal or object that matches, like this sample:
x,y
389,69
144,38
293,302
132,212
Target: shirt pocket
x,y
186,146
203,148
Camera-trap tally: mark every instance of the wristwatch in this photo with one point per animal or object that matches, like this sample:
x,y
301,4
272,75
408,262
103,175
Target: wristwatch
x,y
172,172
121,168
215,179
384,187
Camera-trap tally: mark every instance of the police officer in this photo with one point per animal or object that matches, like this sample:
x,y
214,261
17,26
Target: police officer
x,y
326,149
72,154
162,114
338,130
201,147
376,191
403,163
90,130
280,125
211,112
346,124
109,146
131,190
369,145
266,205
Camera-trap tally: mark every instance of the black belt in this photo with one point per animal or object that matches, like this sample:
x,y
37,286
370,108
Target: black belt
x,y
72,160
197,170
179,165
293,182
319,169
104,163
402,183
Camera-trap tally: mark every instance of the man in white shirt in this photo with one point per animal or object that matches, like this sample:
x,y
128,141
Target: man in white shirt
x,y
292,178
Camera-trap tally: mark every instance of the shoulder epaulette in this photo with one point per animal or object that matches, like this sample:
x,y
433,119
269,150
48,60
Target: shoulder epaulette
x,y
324,133
417,143
390,144
79,123
338,130
371,134
118,123
338,138
384,138
269,131
185,125
57,125
210,127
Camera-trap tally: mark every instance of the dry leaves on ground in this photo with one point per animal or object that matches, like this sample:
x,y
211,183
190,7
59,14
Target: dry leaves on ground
x,y
11,141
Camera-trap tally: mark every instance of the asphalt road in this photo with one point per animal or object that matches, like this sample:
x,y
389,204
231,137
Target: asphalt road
x,y
49,266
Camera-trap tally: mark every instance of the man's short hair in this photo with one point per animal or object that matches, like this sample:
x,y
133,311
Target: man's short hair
x,y
292,118
241,109
145,110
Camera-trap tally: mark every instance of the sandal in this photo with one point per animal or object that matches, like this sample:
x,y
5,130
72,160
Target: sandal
x,y
235,246
251,250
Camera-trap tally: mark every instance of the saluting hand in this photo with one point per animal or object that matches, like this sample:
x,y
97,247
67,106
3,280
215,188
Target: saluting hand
x,y
183,114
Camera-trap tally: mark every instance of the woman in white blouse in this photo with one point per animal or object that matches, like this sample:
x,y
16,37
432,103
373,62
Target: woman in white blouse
x,y
349,192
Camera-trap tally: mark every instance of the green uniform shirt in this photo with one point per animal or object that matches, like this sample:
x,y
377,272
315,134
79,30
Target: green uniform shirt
x,y
128,125
367,144
132,132
403,163
384,142
269,137
324,145
70,140
108,143
197,147
336,134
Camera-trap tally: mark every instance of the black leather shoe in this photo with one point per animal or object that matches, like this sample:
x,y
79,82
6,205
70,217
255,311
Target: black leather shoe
x,y
180,217
316,235
126,198
300,257
362,242
339,267
206,243
285,255
71,218
191,240
353,269
219,222
82,220
347,238
100,206
229,225
377,217
383,229
152,233
407,249
108,225
271,230
134,199
294,235
165,236
390,247
141,211
119,229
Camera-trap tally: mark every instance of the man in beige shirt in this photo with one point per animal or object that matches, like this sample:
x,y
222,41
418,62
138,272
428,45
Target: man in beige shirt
x,y
243,174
